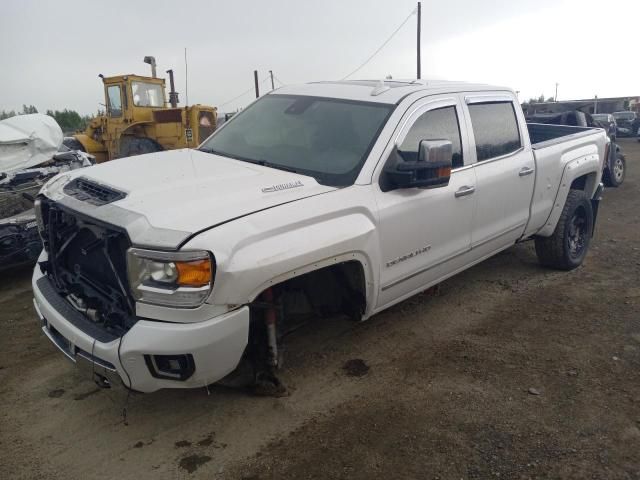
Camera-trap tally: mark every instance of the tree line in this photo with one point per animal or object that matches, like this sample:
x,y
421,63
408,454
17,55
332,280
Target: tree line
x,y
69,120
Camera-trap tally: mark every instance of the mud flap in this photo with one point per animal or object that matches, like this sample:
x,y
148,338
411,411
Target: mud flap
x,y
595,203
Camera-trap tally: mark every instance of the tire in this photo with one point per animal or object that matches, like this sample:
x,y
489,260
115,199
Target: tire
x,y
131,146
73,144
567,247
616,177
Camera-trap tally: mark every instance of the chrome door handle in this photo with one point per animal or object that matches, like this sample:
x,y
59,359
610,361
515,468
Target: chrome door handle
x,y
525,171
463,191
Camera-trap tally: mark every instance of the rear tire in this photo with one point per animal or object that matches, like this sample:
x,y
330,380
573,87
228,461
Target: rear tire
x,y
567,247
130,146
614,176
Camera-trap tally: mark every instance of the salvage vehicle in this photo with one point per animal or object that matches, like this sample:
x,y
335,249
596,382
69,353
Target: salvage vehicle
x,y
608,122
628,123
30,155
615,165
138,120
316,200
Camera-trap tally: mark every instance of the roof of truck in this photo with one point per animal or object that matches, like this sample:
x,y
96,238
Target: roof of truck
x,y
382,91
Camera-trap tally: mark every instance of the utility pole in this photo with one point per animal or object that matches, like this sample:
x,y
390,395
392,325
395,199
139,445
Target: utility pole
x,y
555,99
271,74
255,79
595,105
418,50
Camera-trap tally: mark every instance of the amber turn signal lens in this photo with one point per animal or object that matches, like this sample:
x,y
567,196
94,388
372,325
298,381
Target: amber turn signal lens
x,y
443,172
194,274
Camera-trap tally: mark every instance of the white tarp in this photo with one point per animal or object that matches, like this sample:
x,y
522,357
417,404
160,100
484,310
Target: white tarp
x,y
27,141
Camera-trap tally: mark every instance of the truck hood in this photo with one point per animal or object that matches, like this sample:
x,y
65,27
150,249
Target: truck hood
x,y
189,190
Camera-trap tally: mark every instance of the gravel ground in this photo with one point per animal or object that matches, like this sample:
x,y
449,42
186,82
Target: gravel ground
x,y
507,370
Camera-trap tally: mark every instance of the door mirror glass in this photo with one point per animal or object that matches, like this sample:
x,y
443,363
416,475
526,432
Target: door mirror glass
x,y
431,169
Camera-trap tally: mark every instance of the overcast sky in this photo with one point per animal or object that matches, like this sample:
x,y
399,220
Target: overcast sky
x,y
52,52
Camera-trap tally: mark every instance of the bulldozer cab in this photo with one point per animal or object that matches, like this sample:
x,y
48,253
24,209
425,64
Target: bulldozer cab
x,y
132,98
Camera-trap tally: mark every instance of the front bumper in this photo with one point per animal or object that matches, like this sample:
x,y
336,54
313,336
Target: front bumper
x,y
216,344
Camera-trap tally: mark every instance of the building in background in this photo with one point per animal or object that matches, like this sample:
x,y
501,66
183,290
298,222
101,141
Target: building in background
x,y
592,105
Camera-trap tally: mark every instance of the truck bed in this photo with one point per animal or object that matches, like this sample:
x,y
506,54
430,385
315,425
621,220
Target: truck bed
x,y
544,135
551,143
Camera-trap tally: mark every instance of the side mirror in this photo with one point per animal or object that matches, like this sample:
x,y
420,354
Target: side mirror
x,y
431,169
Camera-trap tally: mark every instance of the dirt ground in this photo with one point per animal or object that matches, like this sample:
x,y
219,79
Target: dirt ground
x,y
508,371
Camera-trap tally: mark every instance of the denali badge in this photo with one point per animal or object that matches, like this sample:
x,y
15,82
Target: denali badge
x,y
283,186
391,263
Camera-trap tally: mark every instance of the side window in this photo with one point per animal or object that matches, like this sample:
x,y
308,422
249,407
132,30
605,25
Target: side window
x,y
441,123
495,128
115,100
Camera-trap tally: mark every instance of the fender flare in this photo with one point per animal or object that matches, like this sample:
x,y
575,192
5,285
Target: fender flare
x,y
586,165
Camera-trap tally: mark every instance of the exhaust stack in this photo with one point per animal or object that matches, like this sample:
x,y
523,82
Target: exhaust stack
x,y
151,61
173,95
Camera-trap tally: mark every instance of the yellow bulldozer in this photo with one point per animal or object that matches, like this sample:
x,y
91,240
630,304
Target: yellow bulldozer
x,y
138,119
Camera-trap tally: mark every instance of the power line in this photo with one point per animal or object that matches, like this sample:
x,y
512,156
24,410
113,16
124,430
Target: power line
x,y
279,81
242,94
383,45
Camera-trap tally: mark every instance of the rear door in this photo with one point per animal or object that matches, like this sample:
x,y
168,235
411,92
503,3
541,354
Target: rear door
x,y
504,167
422,230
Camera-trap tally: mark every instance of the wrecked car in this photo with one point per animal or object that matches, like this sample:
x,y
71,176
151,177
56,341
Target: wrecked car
x,y
31,153
183,268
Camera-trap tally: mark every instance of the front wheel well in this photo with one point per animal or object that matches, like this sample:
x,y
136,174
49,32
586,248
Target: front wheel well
x,y
339,288
284,307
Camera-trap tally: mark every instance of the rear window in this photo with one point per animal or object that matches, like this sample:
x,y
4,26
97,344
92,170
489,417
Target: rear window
x,y
495,129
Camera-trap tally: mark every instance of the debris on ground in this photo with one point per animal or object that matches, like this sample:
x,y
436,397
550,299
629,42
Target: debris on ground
x,y
356,367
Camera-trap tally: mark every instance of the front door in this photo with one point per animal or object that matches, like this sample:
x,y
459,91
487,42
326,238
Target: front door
x,y
421,231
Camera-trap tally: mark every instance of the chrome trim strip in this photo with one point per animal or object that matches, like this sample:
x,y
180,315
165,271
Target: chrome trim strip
x,y
501,157
55,342
179,256
455,255
95,361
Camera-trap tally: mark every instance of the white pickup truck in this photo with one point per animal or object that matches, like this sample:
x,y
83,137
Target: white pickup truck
x,y
174,269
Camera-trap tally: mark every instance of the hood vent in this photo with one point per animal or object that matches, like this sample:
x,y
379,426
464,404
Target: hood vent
x,y
91,192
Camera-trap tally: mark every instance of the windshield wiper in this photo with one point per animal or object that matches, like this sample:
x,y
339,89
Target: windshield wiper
x,y
211,150
263,163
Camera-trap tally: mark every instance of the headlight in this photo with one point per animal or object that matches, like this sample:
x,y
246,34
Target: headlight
x,y
173,279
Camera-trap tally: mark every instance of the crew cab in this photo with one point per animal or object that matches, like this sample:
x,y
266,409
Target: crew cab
x,y
182,268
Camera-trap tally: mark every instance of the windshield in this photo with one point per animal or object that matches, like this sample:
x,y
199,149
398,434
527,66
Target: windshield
x,y
147,94
326,138
624,115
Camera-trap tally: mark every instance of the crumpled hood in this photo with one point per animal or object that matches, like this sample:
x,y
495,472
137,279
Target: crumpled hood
x,y
189,190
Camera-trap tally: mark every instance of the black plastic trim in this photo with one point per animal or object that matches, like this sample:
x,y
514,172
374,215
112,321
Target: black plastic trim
x,y
73,316
184,375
